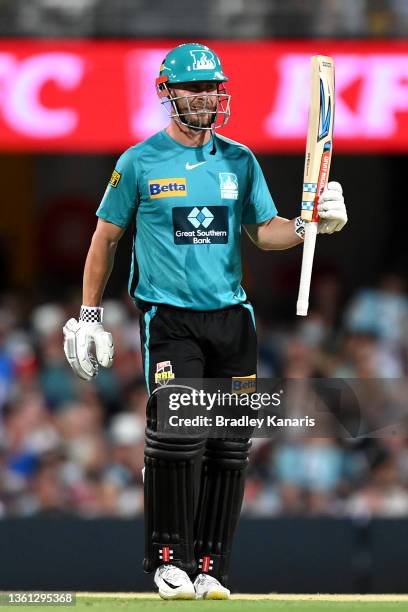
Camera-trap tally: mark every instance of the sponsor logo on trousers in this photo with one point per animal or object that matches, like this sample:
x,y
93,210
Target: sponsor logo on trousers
x,y
244,384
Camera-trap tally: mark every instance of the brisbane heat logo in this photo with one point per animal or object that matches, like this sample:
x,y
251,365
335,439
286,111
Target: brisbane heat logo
x,y
203,60
164,373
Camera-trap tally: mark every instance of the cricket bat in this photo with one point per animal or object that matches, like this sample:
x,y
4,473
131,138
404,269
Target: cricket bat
x,y
319,148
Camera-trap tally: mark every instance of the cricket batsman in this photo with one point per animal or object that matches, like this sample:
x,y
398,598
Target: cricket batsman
x,y
188,191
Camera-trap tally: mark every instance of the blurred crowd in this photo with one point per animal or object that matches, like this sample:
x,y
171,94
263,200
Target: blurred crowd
x,y
68,447
210,19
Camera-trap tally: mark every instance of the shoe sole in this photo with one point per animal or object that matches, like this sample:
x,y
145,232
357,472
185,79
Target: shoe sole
x,y
216,595
179,596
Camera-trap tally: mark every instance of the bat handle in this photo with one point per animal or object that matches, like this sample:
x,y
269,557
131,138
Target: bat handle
x,y
307,265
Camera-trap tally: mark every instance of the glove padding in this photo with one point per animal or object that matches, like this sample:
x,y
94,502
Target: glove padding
x,y
331,209
78,338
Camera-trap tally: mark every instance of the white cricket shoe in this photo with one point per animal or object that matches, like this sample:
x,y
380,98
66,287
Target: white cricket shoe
x,y
173,583
208,587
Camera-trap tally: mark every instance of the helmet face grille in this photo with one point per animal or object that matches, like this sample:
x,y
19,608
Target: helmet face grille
x,y
199,111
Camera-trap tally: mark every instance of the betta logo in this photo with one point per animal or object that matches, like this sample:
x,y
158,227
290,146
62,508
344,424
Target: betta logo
x,y
244,384
167,188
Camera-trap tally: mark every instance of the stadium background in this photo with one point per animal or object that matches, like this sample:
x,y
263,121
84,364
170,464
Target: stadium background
x,y
76,89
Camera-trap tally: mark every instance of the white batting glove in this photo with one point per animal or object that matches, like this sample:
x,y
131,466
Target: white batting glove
x,y
331,209
80,337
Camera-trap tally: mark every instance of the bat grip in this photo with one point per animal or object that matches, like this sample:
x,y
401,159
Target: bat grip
x,y
307,265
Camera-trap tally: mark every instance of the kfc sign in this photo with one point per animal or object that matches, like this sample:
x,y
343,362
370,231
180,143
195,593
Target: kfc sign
x,y
22,84
382,94
100,96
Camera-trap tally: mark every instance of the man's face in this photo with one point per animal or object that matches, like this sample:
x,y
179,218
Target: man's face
x,y
197,98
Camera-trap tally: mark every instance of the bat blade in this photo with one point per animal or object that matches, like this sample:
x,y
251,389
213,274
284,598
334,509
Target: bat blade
x,y
319,142
319,147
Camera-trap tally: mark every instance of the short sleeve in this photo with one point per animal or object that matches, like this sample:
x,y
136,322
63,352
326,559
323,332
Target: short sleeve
x,y
259,205
121,196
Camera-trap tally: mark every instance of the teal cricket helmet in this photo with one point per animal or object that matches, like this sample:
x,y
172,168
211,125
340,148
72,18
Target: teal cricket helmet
x,y
191,62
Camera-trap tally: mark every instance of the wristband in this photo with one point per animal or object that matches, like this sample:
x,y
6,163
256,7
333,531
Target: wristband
x,y
300,227
91,314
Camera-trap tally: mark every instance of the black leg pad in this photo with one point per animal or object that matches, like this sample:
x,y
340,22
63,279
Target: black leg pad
x,y
169,493
220,500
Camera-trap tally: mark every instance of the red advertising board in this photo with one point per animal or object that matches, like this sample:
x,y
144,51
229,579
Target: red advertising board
x,y
100,96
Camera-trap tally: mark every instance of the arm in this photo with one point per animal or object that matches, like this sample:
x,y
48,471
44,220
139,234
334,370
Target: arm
x,y
99,261
79,335
279,233
274,235
86,343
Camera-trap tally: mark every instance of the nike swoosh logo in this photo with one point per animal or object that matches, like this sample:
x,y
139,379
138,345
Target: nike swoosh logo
x,y
172,586
192,166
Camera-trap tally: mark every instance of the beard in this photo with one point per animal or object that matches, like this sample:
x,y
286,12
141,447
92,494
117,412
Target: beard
x,y
195,118
199,119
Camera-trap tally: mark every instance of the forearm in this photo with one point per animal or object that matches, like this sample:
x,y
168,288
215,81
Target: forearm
x,y
98,267
274,235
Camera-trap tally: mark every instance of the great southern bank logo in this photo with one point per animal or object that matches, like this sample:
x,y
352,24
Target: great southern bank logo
x,y
200,225
167,188
199,217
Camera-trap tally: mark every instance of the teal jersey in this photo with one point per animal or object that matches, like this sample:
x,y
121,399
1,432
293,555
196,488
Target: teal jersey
x,y
188,206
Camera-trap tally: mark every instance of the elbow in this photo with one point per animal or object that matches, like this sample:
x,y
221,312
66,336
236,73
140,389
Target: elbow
x,y
112,244
263,243
260,245
268,246
107,243
262,238
257,240
264,246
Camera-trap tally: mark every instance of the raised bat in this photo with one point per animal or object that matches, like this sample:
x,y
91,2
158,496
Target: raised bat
x,y
319,148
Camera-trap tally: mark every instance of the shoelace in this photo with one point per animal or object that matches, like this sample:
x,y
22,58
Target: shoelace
x,y
206,578
172,574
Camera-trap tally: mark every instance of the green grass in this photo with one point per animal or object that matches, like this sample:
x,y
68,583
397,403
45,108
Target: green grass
x,y
259,605
248,603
